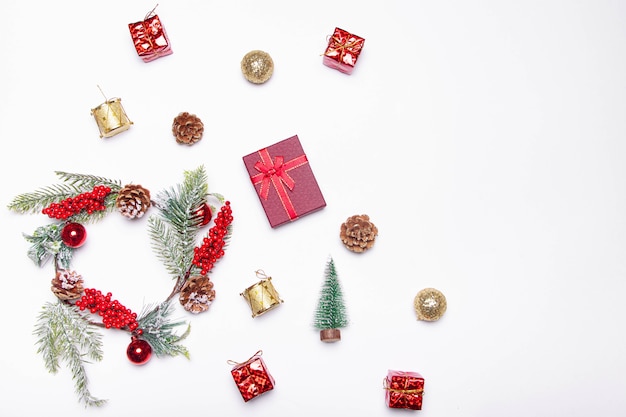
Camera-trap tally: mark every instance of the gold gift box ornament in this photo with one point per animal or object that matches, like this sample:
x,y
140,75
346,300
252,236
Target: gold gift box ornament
x,y
262,296
111,117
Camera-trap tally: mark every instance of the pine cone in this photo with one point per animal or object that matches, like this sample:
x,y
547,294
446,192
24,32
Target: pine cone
x,y
197,294
187,128
358,233
133,201
67,285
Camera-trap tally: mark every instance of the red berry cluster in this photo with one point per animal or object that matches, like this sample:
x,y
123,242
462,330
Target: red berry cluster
x,y
90,201
212,247
113,313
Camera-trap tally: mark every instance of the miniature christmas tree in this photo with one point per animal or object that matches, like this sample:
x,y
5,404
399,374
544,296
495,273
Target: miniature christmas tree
x,y
331,311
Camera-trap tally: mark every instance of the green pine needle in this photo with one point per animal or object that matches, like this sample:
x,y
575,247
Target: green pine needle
x,y
158,330
34,202
174,229
64,335
86,182
164,243
46,244
75,184
219,197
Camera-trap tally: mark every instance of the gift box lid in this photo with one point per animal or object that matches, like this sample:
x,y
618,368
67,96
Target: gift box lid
x,y
284,181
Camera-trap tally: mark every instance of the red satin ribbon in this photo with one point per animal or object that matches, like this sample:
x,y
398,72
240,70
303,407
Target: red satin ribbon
x,y
275,173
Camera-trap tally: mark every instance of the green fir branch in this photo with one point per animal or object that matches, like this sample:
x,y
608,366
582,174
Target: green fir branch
x,y
219,197
34,202
75,184
64,334
174,229
158,330
164,242
86,182
46,243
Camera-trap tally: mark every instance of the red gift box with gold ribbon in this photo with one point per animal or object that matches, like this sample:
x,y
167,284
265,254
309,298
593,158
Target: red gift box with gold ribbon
x,y
404,390
283,179
343,50
150,38
252,377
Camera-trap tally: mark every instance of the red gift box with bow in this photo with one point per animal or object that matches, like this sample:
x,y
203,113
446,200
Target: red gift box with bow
x,y
404,390
252,377
150,38
283,179
343,50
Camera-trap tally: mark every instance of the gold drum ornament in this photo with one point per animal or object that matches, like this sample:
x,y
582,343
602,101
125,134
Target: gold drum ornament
x,y
262,296
111,118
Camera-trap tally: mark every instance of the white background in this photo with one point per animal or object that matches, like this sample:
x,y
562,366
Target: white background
x,y
485,139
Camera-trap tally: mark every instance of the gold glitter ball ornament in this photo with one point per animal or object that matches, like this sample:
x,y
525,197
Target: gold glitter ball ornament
x,y
430,304
257,66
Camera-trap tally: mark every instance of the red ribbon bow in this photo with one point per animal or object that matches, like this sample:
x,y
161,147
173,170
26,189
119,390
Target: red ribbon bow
x,y
275,173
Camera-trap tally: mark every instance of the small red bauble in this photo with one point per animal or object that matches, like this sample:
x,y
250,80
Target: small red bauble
x,y
139,351
206,214
73,235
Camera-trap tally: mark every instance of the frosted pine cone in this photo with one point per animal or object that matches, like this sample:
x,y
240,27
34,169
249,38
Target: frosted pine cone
x,y
358,233
67,285
197,294
133,201
187,128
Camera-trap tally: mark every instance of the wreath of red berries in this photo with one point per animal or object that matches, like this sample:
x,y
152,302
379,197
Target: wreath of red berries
x,y
67,330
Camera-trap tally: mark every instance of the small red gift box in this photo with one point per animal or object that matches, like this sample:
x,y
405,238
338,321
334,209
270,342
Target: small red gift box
x,y
343,50
252,377
149,38
284,181
404,390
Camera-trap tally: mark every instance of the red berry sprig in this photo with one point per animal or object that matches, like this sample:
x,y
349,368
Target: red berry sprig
x,y
90,201
212,248
113,313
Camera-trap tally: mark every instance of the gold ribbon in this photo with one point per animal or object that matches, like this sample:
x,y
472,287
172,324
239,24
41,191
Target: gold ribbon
x,y
403,390
231,362
343,46
151,12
